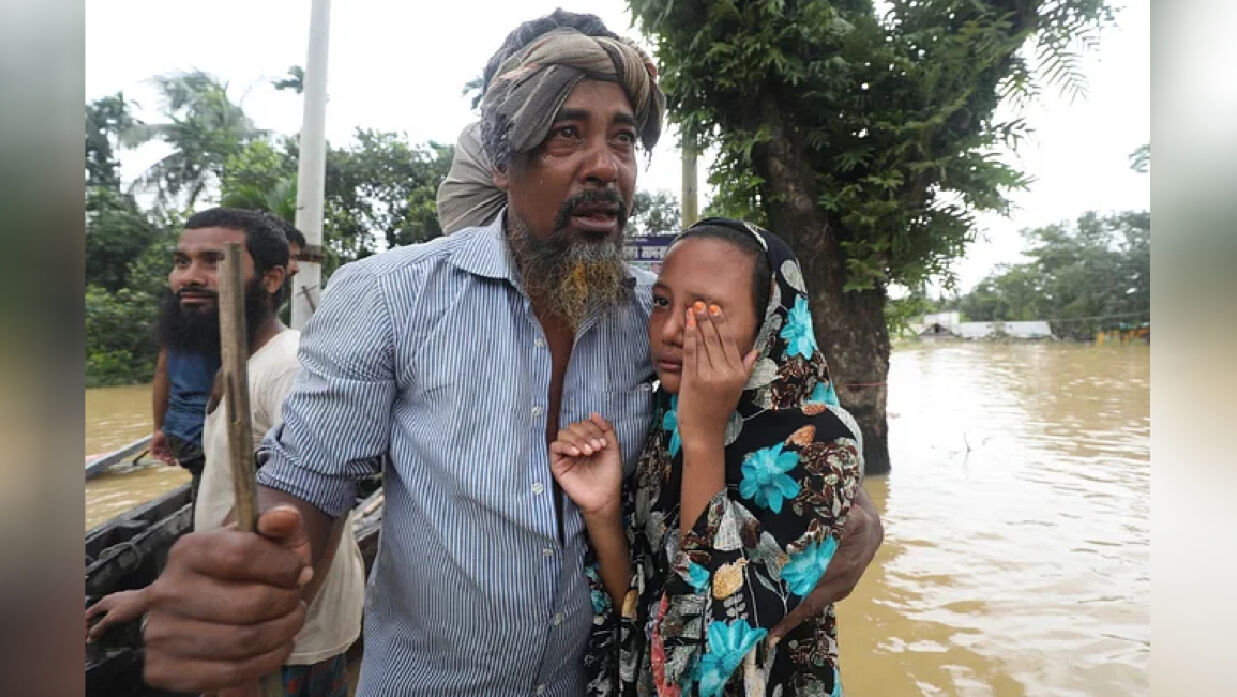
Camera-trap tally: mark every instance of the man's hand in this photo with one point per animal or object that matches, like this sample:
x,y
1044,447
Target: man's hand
x,y
159,447
860,540
116,608
226,609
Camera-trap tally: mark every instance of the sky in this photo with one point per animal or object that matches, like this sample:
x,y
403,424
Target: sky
x,y
401,66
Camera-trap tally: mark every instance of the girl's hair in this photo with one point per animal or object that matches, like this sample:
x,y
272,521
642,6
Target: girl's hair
x,y
762,274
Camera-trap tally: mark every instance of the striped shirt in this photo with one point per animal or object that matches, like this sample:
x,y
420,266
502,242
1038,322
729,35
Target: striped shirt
x,y
429,359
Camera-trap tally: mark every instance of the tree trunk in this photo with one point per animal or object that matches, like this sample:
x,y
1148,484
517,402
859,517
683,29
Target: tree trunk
x,y
850,326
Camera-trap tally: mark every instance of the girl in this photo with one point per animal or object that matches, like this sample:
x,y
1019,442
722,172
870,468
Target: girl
x,y
739,496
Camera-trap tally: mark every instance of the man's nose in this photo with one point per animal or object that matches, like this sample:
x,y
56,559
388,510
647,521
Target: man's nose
x,y
601,166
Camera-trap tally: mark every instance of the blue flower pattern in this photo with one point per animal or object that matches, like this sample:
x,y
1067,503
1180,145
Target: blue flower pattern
x,y
697,576
670,422
806,567
729,642
824,394
800,339
765,480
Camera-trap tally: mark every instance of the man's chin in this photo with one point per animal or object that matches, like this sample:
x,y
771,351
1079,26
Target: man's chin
x,y
199,306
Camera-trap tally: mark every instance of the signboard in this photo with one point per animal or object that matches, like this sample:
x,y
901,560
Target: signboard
x,y
646,252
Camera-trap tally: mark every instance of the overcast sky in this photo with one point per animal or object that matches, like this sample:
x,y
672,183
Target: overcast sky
x,y
401,66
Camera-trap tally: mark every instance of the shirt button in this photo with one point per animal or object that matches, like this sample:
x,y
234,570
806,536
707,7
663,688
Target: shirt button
x,y
536,411
538,487
539,342
541,689
558,618
547,552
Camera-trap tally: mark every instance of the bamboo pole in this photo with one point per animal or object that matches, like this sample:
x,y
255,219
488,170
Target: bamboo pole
x,y
234,350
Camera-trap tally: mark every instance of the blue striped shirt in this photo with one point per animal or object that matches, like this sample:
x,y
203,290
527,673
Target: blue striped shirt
x,y
429,358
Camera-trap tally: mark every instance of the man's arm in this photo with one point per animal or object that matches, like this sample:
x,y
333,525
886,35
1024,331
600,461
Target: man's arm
x,y
862,536
159,406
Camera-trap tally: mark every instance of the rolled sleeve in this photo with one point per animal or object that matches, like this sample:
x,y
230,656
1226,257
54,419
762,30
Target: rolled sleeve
x,y
337,419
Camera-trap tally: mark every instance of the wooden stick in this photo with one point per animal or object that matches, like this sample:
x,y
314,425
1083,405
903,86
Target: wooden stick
x,y
234,350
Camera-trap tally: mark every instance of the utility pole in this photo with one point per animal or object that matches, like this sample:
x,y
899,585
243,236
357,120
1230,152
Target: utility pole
x,y
311,173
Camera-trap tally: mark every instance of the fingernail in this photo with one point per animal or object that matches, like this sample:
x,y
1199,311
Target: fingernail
x,y
714,310
699,306
307,574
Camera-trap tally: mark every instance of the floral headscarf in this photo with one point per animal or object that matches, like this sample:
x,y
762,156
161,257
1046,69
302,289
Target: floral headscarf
x,y
698,608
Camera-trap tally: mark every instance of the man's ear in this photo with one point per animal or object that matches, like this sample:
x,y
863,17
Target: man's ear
x,y
274,278
500,178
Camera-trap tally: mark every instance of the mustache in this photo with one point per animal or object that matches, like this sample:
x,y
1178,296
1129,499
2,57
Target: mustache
x,y
570,206
198,292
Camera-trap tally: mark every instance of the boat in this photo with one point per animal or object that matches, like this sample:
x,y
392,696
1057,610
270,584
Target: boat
x,y
97,464
130,551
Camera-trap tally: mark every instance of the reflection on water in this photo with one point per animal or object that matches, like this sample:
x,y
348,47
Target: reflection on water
x,y
1017,522
1017,548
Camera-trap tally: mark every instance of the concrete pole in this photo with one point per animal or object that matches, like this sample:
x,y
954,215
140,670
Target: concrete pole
x,y
688,200
311,175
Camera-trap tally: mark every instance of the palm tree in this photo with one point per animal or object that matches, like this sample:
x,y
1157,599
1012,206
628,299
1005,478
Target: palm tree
x,y
203,127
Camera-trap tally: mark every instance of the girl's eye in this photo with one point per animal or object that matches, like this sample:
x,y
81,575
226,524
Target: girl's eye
x,y
660,302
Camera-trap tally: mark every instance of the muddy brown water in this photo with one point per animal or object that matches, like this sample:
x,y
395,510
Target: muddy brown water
x,y
1017,549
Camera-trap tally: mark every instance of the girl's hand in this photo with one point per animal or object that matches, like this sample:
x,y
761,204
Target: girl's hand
x,y
714,373
586,460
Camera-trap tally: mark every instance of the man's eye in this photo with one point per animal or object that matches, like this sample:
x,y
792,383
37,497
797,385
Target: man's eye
x,y
567,132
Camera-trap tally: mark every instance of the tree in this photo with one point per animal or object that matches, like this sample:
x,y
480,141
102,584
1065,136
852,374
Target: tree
x,y
1140,159
654,213
866,142
204,129
261,177
380,193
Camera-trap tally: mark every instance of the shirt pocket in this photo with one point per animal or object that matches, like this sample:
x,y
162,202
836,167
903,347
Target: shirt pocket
x,y
630,409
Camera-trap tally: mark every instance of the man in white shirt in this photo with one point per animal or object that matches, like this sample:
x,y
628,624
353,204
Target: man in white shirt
x,y
334,600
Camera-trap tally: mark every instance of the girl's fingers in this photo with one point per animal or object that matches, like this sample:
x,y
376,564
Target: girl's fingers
x,y
689,345
565,446
607,428
725,338
712,350
589,434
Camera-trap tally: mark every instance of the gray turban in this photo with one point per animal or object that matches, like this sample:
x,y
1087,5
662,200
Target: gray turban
x,y
521,103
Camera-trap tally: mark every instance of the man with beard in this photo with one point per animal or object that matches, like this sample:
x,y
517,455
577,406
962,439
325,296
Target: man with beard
x,y
450,366
189,357
332,618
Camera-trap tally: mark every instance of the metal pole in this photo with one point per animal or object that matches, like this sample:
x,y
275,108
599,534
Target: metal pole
x,y
311,175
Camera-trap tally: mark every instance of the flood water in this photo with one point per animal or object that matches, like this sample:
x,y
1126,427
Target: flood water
x,y
115,417
1017,551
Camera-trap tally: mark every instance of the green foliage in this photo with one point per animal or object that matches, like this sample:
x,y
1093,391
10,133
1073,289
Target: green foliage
x,y
260,177
1097,267
884,125
295,82
655,213
1140,159
106,119
120,344
380,193
203,127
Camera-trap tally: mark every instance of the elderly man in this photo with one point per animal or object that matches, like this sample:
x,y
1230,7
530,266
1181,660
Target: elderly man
x,y
455,362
